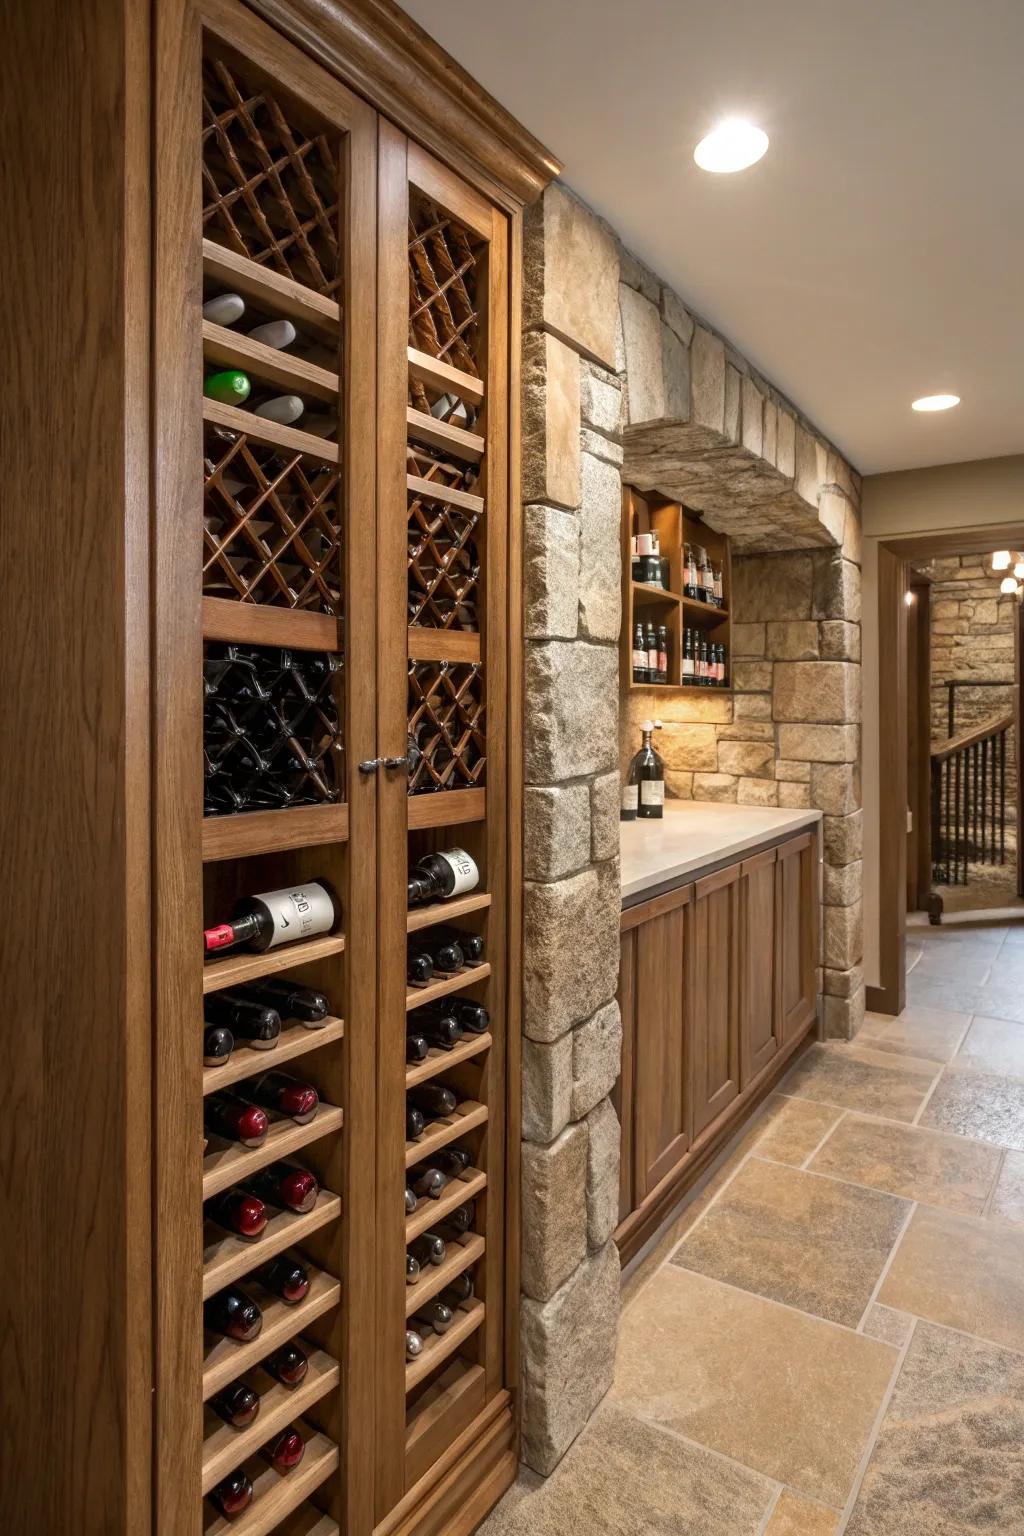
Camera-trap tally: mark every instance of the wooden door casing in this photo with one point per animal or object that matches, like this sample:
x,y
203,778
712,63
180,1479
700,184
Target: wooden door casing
x,y
623,1094
796,931
661,1122
712,997
760,1027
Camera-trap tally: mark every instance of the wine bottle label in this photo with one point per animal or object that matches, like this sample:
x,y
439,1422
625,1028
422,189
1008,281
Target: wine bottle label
x,y
652,658
652,792
629,797
298,913
639,660
463,868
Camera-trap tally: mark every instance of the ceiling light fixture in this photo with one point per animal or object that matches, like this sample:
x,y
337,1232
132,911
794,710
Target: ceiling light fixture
x,y
935,403
1001,560
732,146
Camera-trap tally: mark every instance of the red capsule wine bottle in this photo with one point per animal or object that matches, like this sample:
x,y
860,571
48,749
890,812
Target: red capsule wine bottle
x,y
239,1212
284,1094
218,1043
440,876
412,1269
273,917
427,1249
286,1278
235,1119
284,1185
436,1315
416,1048
288,1365
286,1450
414,1123
237,1404
234,1314
290,1000
434,1099
413,1344
232,1495
258,1026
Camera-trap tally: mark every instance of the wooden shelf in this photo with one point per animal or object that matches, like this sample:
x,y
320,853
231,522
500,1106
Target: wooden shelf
x,y
438,1346
433,490
418,997
467,1186
245,833
227,1257
307,1520
226,619
440,1414
272,292
271,432
272,365
703,614
430,370
643,592
439,1061
275,1495
226,1358
443,644
438,1133
458,1258
233,969
447,808
226,1162
224,1447
294,1040
703,693
467,446
446,911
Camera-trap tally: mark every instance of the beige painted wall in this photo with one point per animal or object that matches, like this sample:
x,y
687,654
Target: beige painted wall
x,y
946,498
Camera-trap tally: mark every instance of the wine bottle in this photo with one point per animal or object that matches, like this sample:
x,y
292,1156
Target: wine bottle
x,y
228,387
284,1094
418,968
470,1016
234,1314
439,876
471,944
239,1212
440,955
235,1120
258,1026
427,1181
457,1222
284,409
288,1365
651,645
688,662
648,774
416,1048
224,308
459,1291
427,1249
453,1160
273,917
413,1344
288,999
639,654
412,1269
434,1315
414,1123
236,1404
705,674
443,1029
662,654
232,1494
276,333
285,1186
411,1202
285,1451
286,1278
434,1099
218,1043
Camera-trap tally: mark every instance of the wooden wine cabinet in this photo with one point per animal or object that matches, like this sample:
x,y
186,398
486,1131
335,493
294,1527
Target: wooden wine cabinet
x,y
330,165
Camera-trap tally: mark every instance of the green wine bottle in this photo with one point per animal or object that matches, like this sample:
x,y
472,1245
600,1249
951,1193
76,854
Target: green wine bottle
x,y
229,387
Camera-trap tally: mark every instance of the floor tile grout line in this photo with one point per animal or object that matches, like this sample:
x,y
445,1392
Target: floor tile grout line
x,y
965,1333
916,1122
876,1429
812,1154
873,1189
698,1445
773,1301
931,1130
711,1204
986,1209
766,1518
872,1299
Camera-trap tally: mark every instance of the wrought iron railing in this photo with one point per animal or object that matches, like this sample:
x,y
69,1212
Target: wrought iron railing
x,y
968,800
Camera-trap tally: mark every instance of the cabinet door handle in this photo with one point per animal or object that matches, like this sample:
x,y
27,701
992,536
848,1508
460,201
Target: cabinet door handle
x,y
397,762
370,765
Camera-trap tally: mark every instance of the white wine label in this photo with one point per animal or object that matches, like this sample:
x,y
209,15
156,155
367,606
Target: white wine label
x,y
463,869
640,659
652,792
629,797
299,913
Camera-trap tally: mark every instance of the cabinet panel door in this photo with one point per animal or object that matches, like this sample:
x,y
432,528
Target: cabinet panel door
x,y
661,1133
623,1092
713,997
796,933
759,1010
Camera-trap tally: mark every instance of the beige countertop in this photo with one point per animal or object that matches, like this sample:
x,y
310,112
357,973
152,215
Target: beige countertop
x,y
694,834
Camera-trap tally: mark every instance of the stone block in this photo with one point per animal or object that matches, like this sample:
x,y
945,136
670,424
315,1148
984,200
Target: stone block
x,y
605,795
556,830
571,952
596,1058
567,1358
809,467
600,550
748,640
842,1017
678,785
635,274
733,404
708,709
707,376
839,641
752,676
843,945
794,796
753,706
752,430
675,373
796,640
641,331
754,759
770,438
844,883
759,792
839,474
832,515
772,587
714,786
600,400
554,1226
604,1140
547,1087
836,589
843,983
785,451
986,612
608,449
792,773
551,421
819,743
571,274
852,535
572,716
843,838
690,747
747,730
835,787
676,316
816,692
551,573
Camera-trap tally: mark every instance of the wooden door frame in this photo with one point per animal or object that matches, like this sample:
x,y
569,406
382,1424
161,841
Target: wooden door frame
x,y
919,852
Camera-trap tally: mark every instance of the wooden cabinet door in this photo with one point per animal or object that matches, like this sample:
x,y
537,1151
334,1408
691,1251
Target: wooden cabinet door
x,y
661,1131
759,1006
796,932
712,997
623,1092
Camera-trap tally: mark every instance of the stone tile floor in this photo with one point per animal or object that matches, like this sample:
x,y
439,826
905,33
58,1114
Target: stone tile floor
x,y
830,1338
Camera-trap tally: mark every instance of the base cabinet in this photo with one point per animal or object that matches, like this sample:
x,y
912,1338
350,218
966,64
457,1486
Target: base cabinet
x,y
717,988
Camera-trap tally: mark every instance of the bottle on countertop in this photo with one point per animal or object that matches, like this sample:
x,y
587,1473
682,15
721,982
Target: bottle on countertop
x,y
647,773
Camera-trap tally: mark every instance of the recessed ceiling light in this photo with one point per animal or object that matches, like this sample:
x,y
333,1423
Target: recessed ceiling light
x,y
732,146
935,403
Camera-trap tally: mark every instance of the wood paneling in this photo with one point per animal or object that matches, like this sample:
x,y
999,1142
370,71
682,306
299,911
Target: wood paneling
x,y
796,934
661,1126
623,1094
712,997
759,998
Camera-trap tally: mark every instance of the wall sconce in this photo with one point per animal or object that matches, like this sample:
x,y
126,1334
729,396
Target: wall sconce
x,y
1001,560
908,598
1009,585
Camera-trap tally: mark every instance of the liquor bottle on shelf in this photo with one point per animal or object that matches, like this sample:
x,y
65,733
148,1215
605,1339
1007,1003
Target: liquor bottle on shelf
x,y
440,876
232,1495
234,1314
705,580
412,1269
471,944
282,1093
689,571
417,1048
639,654
274,917
719,593
651,643
413,1344
285,1451
434,1099
258,1026
285,1186
662,654
723,661
224,308
414,1123
275,333
442,955
228,387
689,665
286,1278
236,1404
427,1249
236,1120
287,998
239,1212
218,1043
288,1365
647,772
434,1315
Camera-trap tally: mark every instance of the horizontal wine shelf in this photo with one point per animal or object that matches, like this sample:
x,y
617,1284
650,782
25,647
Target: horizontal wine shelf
x,y
234,969
245,833
470,1183
294,1040
439,1061
272,291
438,1133
453,381
643,592
443,644
446,911
417,997
275,1495
438,1415
456,441
224,1447
226,1358
698,613
227,1257
438,1346
233,349
698,692
446,808
226,1162
458,1258
270,432
434,490
261,624
307,1520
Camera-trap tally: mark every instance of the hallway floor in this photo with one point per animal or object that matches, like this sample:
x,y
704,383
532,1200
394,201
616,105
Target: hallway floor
x,y
831,1337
